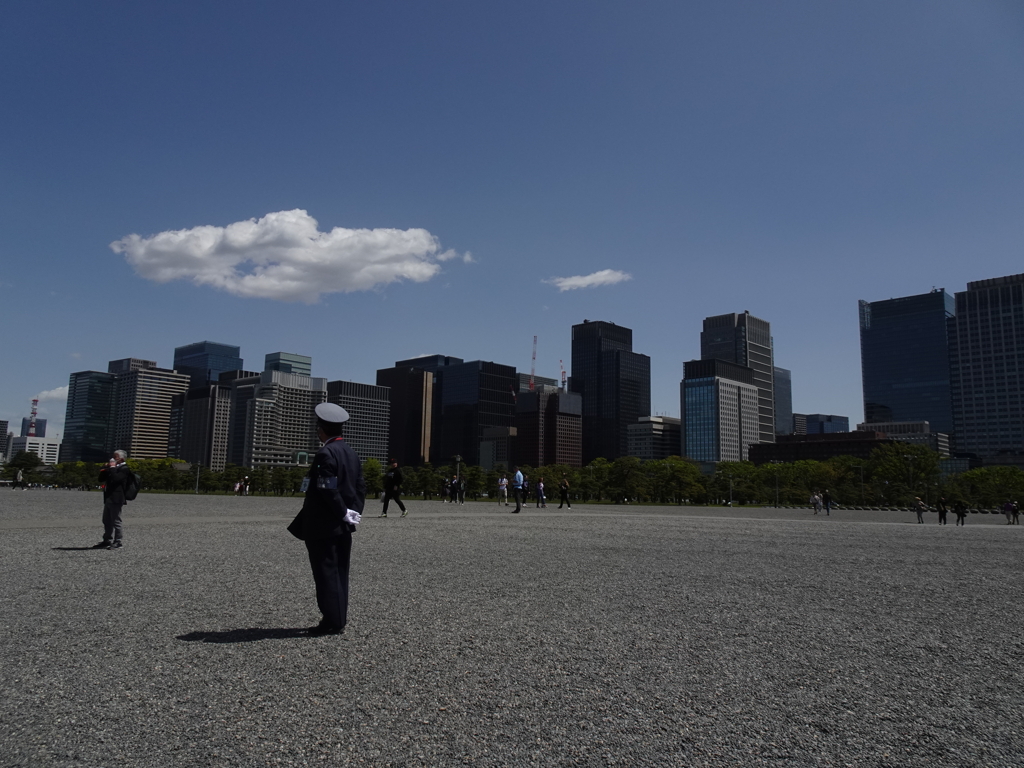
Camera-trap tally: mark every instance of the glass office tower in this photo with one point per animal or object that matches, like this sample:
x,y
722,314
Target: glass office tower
x,y
89,418
615,384
746,340
782,380
905,359
986,346
205,361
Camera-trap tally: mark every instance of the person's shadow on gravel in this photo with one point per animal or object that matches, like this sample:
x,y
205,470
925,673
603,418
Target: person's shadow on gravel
x,y
251,635
73,549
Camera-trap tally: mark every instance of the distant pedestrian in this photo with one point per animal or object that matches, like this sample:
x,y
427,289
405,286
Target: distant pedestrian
x,y
461,483
393,488
19,481
517,489
920,508
503,490
115,478
563,492
453,490
816,502
940,505
826,501
1016,513
1008,511
960,510
541,498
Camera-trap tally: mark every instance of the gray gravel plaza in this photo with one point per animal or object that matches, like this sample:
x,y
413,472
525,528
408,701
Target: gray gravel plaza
x,y
662,636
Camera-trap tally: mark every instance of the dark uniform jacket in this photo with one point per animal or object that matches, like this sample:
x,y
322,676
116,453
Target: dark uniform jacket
x,y
393,479
336,485
114,480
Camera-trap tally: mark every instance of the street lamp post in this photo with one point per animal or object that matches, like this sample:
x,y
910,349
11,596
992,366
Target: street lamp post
x,y
776,463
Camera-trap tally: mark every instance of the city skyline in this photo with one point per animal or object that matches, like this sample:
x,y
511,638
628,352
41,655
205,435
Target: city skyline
x,y
457,180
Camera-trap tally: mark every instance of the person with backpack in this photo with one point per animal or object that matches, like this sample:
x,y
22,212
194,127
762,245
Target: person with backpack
x,y
118,485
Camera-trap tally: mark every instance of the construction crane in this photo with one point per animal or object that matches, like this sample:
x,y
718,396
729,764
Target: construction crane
x,y
533,364
32,418
561,367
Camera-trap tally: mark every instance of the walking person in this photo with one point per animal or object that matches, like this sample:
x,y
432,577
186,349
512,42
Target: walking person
x,y
115,478
393,487
461,483
503,490
816,502
335,495
940,505
1008,511
960,510
19,481
919,507
542,502
1016,513
517,489
453,490
563,492
826,501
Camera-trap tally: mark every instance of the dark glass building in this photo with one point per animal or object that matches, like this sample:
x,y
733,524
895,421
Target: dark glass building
x,y
205,361
615,384
411,398
369,411
905,359
824,424
549,428
745,340
89,418
468,398
40,427
782,380
986,347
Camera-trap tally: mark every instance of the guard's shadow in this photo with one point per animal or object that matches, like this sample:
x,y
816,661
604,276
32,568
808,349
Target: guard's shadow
x,y
251,635
76,549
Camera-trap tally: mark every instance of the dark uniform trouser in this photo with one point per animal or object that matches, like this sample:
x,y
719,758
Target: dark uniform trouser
x,y
329,559
388,496
111,521
563,498
518,493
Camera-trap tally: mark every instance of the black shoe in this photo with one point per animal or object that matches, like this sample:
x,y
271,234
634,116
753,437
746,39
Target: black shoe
x,y
324,629
116,545
102,545
383,515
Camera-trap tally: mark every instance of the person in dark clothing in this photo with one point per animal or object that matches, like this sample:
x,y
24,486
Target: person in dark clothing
x,y
826,501
114,477
563,492
393,487
940,505
462,490
335,495
960,510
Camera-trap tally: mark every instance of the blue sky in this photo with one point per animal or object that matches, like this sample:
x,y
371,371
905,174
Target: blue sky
x,y
785,158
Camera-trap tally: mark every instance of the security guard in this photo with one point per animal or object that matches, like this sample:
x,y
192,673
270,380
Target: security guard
x,y
335,494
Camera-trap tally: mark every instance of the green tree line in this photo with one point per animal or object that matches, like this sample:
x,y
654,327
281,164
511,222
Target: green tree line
x,y
894,475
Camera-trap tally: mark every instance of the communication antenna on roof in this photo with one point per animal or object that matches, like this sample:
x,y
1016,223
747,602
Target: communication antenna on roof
x,y
562,369
533,364
32,418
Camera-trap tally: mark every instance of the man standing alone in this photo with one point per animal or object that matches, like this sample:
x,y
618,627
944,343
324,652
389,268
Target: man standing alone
x,y
114,477
563,492
393,487
517,489
335,494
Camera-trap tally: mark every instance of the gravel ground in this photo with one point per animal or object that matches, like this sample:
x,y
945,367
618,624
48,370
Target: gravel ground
x,y
603,636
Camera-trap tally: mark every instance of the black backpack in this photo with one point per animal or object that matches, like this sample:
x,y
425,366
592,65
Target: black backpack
x,y
132,486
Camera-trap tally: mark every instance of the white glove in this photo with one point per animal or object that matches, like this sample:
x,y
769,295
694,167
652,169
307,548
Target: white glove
x,y
351,516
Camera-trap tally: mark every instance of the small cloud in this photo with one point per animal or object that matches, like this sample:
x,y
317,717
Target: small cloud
x,y
60,393
76,355
593,280
284,256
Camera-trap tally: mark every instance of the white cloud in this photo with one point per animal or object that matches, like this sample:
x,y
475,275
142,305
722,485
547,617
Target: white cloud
x,y
60,393
285,256
593,280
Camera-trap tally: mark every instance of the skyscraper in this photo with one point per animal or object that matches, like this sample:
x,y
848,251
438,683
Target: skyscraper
x,y
142,412
745,340
411,398
548,427
40,427
615,384
369,410
288,362
272,418
986,347
905,362
89,418
205,361
654,438
782,379
719,403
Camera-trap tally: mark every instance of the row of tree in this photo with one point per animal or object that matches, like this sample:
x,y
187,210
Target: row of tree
x,y
894,475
